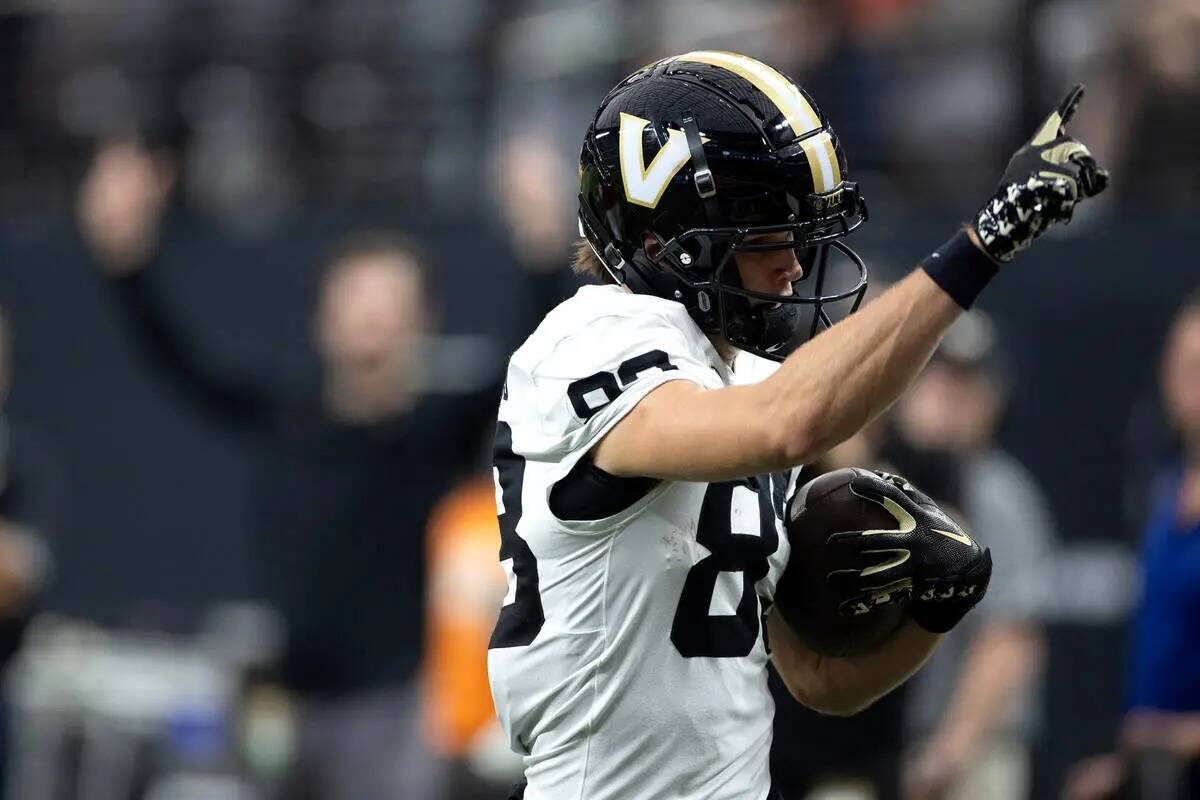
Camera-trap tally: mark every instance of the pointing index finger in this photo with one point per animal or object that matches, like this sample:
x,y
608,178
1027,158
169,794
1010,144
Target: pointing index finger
x,y
1066,109
1056,124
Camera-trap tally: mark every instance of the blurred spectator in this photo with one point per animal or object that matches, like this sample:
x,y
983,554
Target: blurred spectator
x,y
1160,738
974,705
29,507
1151,98
1141,62
355,454
1161,101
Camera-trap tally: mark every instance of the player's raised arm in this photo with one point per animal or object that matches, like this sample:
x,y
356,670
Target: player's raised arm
x,y
838,381
823,393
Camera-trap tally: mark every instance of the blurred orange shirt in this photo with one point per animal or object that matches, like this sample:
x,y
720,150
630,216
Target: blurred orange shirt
x,y
466,588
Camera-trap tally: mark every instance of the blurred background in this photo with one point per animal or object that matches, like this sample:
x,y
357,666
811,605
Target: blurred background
x,y
261,265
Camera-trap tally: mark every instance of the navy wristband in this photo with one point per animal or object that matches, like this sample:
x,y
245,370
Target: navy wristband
x,y
961,269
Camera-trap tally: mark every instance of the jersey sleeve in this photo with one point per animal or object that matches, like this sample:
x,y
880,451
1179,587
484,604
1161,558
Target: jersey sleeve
x,y
563,401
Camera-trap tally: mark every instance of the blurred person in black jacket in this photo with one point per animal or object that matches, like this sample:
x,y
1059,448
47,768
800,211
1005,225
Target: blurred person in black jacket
x,y
30,493
355,454
1158,741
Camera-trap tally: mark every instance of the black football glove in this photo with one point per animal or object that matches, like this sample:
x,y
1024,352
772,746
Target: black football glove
x,y
1040,187
926,558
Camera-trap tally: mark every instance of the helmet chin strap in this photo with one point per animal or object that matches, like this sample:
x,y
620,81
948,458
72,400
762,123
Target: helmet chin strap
x,y
763,329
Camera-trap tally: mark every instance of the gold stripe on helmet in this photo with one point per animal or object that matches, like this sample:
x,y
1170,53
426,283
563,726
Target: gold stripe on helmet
x,y
827,142
822,160
783,93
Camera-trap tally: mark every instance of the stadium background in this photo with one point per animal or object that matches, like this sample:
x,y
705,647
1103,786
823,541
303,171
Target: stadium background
x,y
295,121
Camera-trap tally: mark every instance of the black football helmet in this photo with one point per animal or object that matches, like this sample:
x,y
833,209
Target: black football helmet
x,y
702,155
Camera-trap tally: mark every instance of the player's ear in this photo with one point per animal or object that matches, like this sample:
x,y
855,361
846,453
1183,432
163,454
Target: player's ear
x,y
651,245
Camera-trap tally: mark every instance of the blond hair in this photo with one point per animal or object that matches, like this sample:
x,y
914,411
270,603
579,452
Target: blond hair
x,y
586,264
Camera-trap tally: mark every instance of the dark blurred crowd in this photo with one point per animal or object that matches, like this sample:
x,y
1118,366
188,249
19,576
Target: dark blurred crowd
x,y
273,102
264,260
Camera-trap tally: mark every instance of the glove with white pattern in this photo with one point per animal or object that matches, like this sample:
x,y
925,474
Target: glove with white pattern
x,y
1041,185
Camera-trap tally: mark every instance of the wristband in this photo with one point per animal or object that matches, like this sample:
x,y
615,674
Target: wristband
x,y
961,269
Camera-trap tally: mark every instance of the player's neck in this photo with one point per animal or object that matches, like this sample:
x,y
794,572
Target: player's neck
x,y
724,349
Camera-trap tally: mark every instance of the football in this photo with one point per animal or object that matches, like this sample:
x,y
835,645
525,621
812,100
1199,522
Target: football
x,y
820,508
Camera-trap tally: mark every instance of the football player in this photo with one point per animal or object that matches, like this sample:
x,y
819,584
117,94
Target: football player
x,y
642,469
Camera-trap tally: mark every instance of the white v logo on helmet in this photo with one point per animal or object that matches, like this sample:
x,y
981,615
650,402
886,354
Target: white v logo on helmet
x,y
645,185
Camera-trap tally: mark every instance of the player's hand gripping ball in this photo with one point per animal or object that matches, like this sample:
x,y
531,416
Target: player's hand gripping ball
x,y
869,549
808,601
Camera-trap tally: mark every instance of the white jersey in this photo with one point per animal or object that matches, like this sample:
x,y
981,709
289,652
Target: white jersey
x,y
629,660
